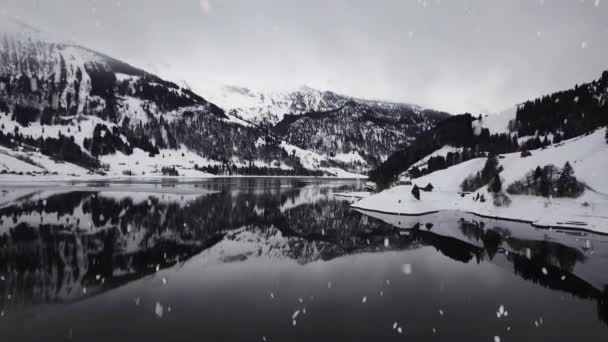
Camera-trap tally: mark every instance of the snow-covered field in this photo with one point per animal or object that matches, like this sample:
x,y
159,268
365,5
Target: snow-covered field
x,y
587,154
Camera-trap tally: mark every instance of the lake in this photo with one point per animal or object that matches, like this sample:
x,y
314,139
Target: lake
x,y
282,259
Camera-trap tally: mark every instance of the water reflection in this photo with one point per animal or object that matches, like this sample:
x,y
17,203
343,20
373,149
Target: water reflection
x,y
68,244
570,261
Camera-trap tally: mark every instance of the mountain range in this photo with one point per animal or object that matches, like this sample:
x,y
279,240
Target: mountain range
x,y
63,103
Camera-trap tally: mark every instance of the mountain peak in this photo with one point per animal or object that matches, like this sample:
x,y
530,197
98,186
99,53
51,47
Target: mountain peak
x,y
20,30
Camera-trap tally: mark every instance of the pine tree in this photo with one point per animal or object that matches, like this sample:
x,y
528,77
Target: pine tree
x,y
490,169
606,135
566,183
496,185
545,182
416,192
538,173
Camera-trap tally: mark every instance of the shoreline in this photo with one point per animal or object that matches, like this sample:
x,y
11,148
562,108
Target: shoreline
x,y
136,179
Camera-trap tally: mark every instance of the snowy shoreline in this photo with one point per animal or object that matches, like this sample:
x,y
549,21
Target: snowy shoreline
x,y
587,154
537,211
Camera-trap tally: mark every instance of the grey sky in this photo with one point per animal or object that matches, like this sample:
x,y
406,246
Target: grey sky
x,y
454,55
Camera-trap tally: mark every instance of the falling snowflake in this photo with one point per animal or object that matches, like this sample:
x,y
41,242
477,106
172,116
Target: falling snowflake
x,y
206,6
158,310
584,45
364,300
496,338
406,269
295,315
544,270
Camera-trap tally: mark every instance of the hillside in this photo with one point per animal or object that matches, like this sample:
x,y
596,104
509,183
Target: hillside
x,y
105,117
528,126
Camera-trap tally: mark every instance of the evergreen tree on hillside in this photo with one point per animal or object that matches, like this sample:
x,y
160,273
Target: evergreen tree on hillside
x,y
496,185
567,184
416,192
490,169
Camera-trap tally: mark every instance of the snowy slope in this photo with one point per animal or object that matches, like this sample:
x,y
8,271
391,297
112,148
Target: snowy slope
x,y
588,156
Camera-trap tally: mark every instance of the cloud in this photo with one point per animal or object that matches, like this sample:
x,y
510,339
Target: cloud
x,y
206,6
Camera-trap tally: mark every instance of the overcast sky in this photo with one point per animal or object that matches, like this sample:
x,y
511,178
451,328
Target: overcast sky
x,y
453,55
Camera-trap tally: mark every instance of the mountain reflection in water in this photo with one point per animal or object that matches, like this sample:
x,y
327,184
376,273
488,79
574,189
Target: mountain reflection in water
x,y
66,245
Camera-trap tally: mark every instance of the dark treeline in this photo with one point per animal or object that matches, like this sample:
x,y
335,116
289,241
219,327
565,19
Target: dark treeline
x,y
252,170
571,112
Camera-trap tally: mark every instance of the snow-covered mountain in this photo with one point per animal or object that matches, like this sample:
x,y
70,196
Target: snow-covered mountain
x,y
61,101
354,132
269,108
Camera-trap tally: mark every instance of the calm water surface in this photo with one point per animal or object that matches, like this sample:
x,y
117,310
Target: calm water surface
x,y
282,260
